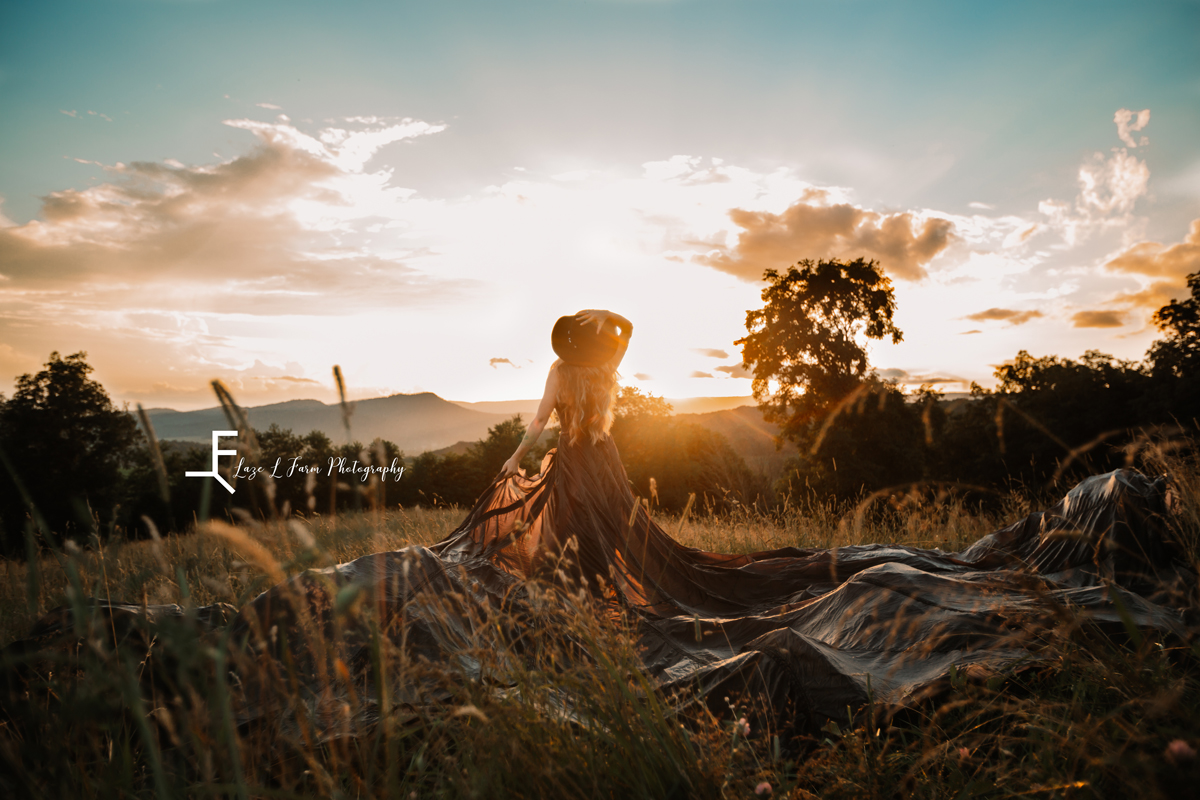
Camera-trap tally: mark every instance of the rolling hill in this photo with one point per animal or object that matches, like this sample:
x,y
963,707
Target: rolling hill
x,y
420,422
415,422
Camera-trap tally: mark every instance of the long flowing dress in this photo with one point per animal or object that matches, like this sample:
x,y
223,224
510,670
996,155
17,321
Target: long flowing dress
x,y
579,512
824,629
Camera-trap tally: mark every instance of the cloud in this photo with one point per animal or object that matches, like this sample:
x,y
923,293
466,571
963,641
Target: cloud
x,y
270,106
1167,267
933,380
1129,121
492,362
981,206
197,268
1109,188
736,371
1098,318
1021,235
903,243
1112,184
74,113
699,374
710,352
641,376
688,171
903,376
1011,316
257,226
968,333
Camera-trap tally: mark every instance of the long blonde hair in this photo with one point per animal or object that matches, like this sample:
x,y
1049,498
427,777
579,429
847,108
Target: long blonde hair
x,y
585,401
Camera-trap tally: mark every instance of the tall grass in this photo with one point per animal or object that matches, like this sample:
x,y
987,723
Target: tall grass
x,y
544,705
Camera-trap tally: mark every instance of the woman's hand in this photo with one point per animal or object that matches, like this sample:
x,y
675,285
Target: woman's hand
x,y
511,467
594,315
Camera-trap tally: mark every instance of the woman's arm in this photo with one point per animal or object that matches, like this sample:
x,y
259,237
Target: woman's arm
x,y
536,425
616,324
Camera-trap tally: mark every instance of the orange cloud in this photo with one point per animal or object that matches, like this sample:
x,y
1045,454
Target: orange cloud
x,y
902,243
1171,265
215,236
907,378
735,371
1011,316
1098,319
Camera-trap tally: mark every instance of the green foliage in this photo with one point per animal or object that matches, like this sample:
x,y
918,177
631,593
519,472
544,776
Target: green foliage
x,y
681,459
632,404
190,499
667,460
1175,359
503,439
874,439
1052,418
1178,354
66,444
805,344
459,478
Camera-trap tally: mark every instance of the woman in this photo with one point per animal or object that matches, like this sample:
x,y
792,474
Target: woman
x,y
578,520
582,383
528,524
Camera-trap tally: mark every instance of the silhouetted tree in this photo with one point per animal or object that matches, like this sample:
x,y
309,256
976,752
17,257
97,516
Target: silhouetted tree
x,y
807,349
805,345
65,443
190,499
1178,354
491,453
1175,359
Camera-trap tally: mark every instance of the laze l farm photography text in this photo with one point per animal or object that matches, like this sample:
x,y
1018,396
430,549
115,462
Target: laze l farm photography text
x,y
339,465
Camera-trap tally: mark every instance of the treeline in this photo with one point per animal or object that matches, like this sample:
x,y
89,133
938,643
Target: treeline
x,y
1049,422
73,464
76,466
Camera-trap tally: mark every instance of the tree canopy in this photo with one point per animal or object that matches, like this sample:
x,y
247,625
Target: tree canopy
x,y
632,403
1175,359
66,443
806,345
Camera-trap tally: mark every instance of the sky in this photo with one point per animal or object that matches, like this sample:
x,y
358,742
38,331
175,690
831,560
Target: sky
x,y
255,191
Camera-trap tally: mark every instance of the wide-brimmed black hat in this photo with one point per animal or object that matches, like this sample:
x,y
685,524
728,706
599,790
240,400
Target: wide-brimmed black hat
x,y
579,343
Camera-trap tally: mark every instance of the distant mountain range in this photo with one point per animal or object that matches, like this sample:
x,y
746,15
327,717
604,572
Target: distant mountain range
x,y
420,422
684,405
415,422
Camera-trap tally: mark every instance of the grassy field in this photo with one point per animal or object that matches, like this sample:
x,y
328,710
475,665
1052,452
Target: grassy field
x,y
1099,717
